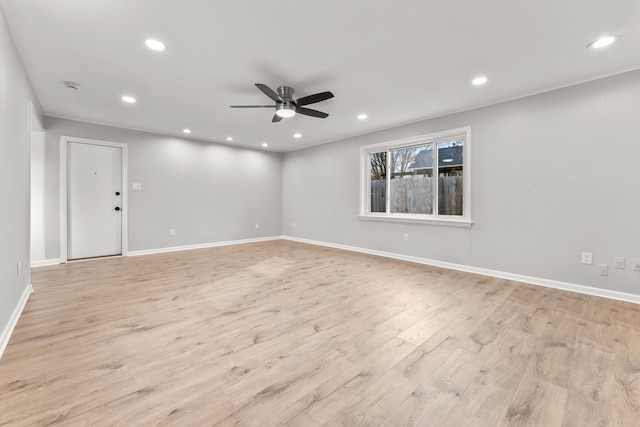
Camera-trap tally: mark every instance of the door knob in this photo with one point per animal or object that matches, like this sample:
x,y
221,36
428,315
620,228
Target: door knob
x,y
117,193
117,208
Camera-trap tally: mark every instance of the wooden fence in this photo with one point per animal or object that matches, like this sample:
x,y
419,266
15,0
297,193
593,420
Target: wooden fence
x,y
415,195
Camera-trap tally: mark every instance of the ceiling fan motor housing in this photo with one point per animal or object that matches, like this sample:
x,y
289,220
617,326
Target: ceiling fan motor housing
x,y
286,93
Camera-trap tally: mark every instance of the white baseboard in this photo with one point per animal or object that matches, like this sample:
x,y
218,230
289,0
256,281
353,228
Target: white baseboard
x,y
565,286
13,320
571,287
45,262
201,246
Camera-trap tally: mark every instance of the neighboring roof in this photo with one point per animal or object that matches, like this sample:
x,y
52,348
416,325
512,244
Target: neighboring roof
x,y
424,159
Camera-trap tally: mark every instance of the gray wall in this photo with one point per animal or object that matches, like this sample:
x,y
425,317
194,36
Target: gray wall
x,y
553,175
15,94
207,192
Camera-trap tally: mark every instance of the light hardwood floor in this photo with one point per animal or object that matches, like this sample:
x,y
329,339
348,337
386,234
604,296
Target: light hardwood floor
x,y
283,333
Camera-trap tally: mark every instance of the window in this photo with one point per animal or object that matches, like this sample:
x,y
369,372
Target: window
x,y
425,178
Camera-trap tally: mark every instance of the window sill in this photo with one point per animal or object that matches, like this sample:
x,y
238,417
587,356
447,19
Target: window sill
x,y
461,223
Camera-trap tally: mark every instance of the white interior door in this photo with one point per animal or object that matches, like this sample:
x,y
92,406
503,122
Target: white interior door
x,y
94,212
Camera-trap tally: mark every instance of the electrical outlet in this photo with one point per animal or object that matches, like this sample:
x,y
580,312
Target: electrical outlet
x,y
636,265
406,236
172,232
257,225
620,263
603,270
587,258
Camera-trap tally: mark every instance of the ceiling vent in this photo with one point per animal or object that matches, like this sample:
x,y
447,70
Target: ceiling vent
x,y
72,85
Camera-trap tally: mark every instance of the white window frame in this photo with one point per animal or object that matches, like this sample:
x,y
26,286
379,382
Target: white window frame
x,y
463,220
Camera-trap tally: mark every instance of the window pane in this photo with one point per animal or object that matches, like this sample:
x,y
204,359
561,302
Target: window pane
x,y
378,182
450,177
411,180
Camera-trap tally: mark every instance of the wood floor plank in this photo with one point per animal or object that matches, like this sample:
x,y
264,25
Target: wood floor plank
x,y
592,380
282,333
368,370
489,395
433,399
536,402
436,350
375,401
460,417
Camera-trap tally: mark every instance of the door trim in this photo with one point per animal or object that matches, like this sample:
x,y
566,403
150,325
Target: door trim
x,y
36,136
64,141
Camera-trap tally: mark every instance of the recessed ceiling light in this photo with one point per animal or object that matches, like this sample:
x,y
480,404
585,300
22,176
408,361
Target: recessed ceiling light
x,y
479,80
155,45
297,135
362,116
128,99
229,138
264,144
602,42
186,130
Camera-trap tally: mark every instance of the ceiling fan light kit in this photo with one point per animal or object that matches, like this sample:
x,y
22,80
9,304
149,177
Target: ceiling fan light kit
x,y
285,110
286,106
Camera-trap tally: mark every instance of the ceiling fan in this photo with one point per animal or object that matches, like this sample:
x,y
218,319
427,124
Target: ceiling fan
x,y
286,106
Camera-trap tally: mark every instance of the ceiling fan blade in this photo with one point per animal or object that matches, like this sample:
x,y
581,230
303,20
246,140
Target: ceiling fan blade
x,y
276,118
270,93
251,106
312,99
312,113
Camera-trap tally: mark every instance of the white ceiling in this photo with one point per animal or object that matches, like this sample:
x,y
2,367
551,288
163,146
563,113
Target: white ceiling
x,y
399,61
